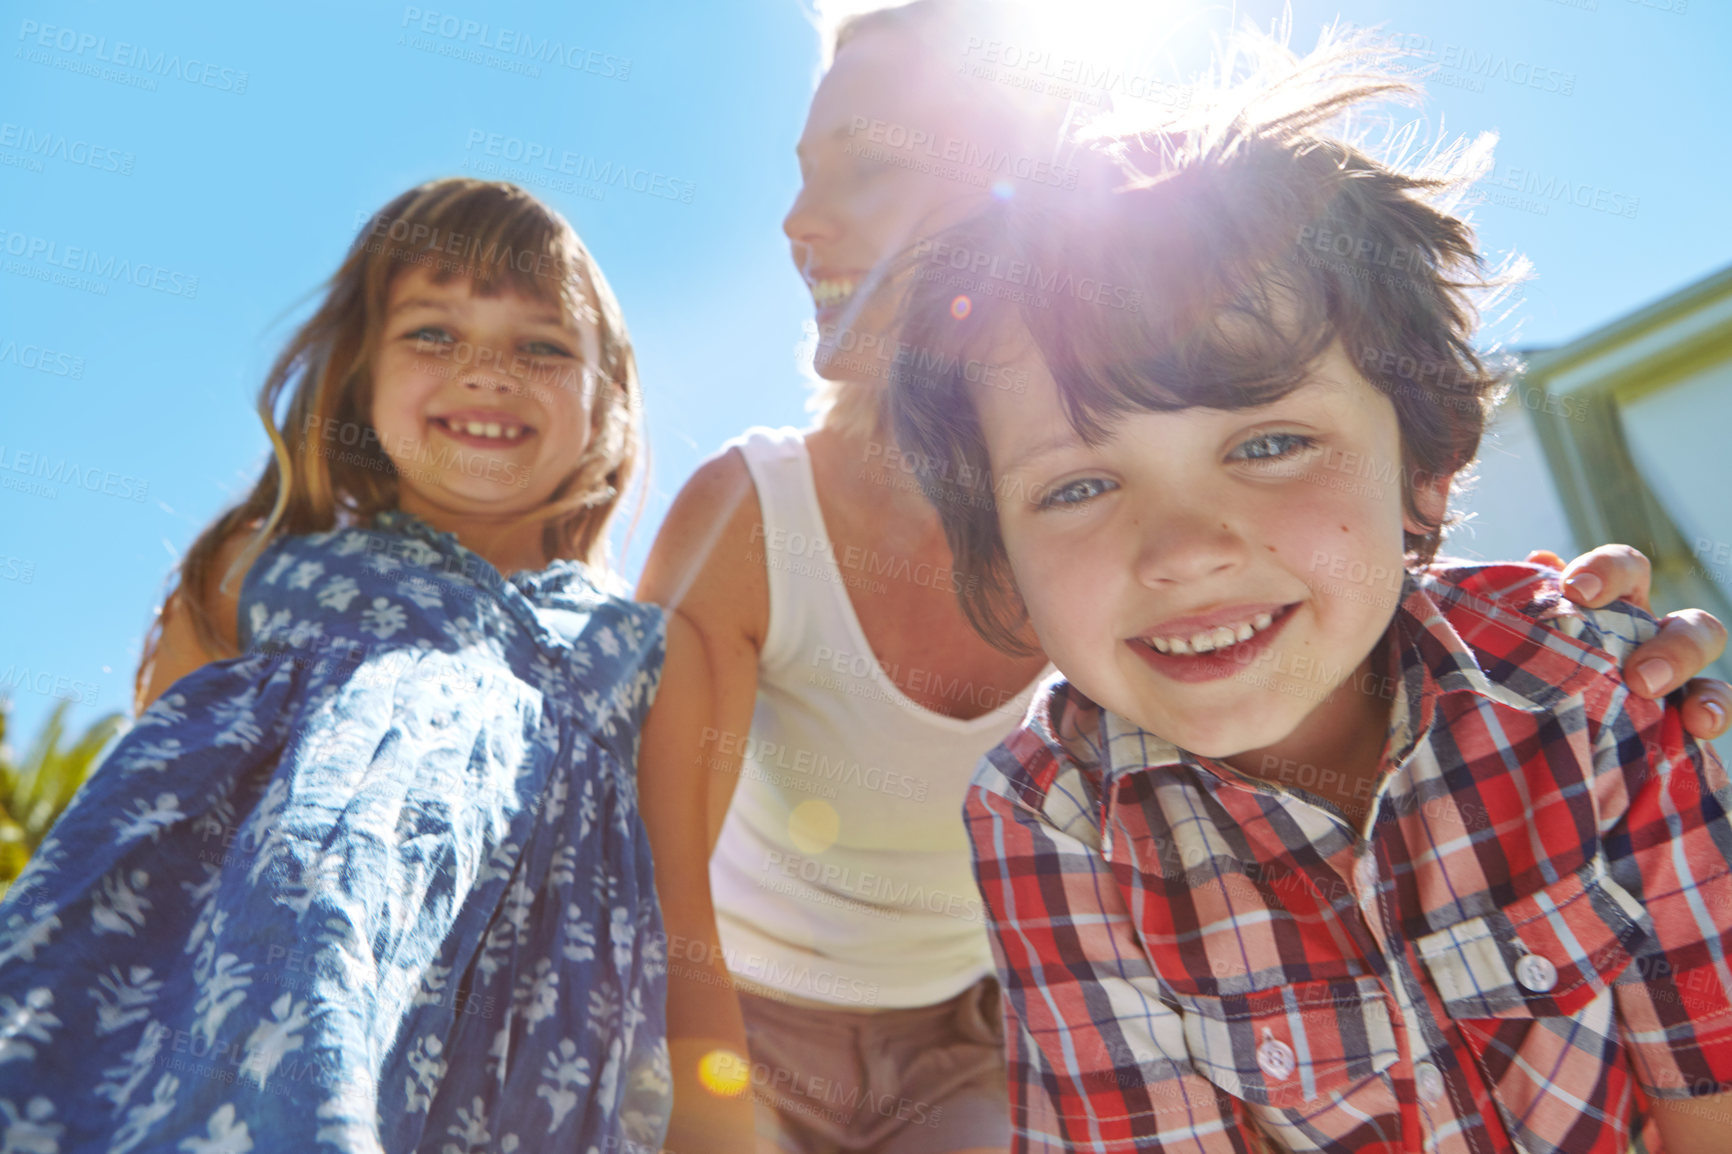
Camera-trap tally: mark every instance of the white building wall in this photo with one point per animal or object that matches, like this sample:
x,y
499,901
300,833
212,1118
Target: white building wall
x,y
1514,501
1681,439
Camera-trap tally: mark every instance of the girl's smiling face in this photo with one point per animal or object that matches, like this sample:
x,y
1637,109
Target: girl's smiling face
x,y
481,402
1211,575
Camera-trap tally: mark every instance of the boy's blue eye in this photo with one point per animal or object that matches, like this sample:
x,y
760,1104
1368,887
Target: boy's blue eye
x,y
1272,446
1074,493
428,334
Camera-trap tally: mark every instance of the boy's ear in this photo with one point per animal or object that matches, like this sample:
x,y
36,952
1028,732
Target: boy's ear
x,y
1431,498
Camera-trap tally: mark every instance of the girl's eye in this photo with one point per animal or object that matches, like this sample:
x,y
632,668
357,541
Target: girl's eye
x,y
428,335
1272,447
1074,493
546,349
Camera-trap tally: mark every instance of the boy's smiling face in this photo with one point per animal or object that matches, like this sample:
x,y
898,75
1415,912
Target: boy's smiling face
x,y
1224,532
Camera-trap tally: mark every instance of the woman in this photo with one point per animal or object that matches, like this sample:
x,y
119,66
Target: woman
x,y
849,698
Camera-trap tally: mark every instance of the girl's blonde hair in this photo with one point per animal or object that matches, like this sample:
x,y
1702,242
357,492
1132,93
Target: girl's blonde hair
x,y
503,240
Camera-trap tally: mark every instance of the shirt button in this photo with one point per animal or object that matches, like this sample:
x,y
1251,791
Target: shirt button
x,y
1275,1057
1428,1080
1536,973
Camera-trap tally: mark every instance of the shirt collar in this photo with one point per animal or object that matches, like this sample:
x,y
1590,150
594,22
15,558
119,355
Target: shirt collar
x,y
1434,630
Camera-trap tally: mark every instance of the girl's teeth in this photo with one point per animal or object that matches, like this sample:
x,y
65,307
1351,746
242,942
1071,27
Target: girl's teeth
x,y
1244,633
1262,620
492,429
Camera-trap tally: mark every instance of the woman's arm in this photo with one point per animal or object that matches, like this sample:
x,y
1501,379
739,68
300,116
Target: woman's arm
x,y
1688,642
704,568
706,1034
1694,1125
707,563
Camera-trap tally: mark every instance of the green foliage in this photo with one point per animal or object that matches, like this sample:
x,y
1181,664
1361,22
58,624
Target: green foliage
x,y
35,791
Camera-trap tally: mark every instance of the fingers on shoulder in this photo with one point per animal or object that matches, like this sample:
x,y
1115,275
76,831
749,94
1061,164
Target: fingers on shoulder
x,y
1705,632
1707,706
1689,641
1623,573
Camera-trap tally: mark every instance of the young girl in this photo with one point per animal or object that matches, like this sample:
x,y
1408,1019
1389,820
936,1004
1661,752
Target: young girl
x,y
369,872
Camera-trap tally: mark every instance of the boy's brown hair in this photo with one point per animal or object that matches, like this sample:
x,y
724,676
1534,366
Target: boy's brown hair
x,y
1207,264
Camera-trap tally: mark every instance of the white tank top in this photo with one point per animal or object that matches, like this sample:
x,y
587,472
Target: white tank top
x,y
843,873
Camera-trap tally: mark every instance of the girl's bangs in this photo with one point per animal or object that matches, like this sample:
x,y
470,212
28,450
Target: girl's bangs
x,y
498,239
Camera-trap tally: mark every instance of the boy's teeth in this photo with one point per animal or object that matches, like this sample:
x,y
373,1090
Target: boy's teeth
x,y
1209,640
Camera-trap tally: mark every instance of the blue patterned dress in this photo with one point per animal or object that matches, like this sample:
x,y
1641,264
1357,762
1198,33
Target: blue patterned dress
x,y
379,884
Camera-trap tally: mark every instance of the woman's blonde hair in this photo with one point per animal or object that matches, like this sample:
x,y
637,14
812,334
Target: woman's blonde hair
x,y
938,33
503,240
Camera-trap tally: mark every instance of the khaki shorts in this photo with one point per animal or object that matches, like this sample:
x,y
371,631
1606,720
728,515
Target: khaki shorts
x,y
926,1080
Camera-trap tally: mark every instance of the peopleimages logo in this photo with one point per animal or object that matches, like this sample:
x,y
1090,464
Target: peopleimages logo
x,y
46,683
90,262
40,358
896,138
981,270
509,42
50,145
88,46
535,155
66,471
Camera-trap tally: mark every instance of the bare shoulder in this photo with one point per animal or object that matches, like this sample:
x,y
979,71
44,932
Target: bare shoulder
x,y
179,649
225,587
708,559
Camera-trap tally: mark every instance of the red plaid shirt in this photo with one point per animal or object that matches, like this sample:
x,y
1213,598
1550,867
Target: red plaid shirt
x,y
1534,936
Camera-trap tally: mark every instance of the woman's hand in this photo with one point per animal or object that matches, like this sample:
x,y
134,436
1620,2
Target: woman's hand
x,y
1688,641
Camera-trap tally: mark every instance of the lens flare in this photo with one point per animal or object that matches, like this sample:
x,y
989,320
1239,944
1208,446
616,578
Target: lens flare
x,y
724,1073
814,826
961,307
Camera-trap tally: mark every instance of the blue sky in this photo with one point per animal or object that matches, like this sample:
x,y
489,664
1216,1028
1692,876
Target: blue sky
x,y
236,145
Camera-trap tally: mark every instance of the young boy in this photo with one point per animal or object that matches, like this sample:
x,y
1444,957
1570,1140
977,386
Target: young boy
x,y
1315,848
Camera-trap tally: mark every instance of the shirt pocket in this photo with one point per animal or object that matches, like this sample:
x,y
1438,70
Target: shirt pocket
x,y
1292,1045
1546,955
1530,990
